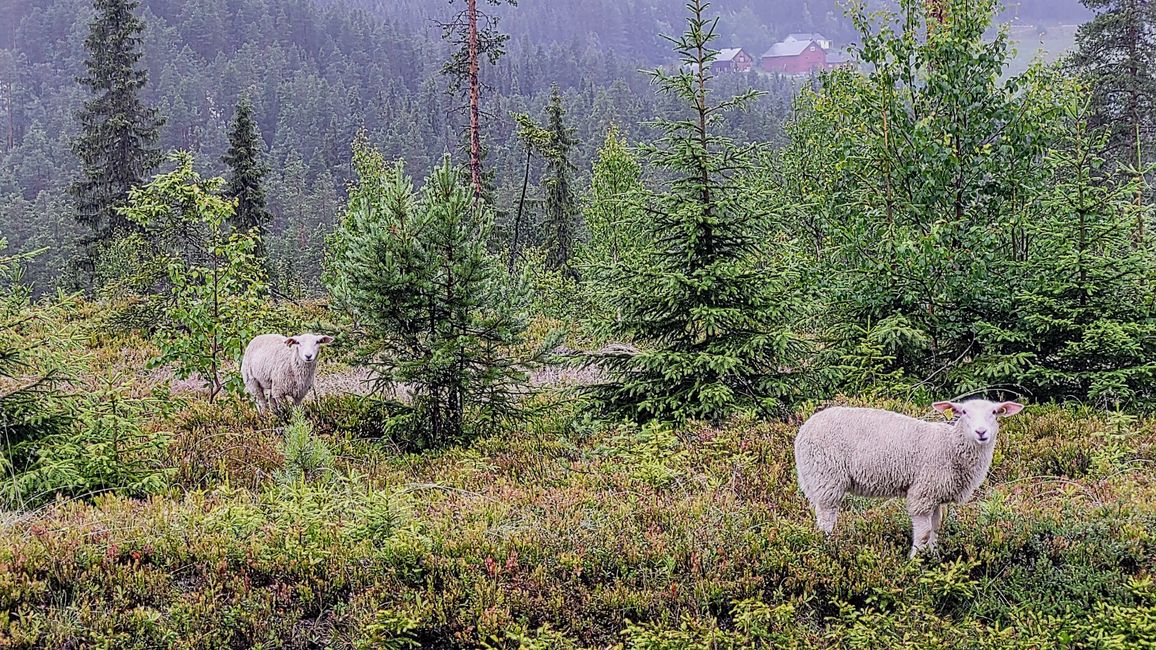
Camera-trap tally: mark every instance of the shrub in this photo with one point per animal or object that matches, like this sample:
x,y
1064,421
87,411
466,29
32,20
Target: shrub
x,y
214,294
109,445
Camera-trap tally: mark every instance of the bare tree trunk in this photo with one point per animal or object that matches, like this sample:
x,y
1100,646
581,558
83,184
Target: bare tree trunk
x,y
475,99
521,205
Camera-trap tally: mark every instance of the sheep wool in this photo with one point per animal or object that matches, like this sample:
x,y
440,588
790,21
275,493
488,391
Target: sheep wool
x,y
284,367
877,453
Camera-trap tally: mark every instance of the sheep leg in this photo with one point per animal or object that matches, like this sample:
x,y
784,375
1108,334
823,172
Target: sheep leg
x,y
826,515
937,521
922,532
253,387
276,400
283,407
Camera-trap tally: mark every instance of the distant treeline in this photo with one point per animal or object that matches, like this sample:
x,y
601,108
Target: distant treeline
x,y
317,74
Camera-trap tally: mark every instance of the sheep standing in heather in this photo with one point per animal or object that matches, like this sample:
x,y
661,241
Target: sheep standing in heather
x,y
283,366
876,453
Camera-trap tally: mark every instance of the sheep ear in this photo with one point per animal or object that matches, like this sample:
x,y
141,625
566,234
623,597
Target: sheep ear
x,y
1008,408
948,409
291,341
325,340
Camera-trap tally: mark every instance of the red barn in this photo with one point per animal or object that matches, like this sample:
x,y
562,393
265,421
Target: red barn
x,y
734,59
792,56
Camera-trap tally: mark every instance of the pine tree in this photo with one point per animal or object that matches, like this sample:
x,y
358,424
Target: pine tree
x,y
1117,52
247,176
704,312
475,35
414,269
117,144
561,218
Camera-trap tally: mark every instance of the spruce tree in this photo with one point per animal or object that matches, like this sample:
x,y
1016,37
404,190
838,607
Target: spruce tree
x,y
561,223
117,145
247,176
535,139
1084,323
699,305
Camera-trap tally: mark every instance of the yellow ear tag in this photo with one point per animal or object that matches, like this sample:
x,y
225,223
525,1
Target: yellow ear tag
x,y
949,414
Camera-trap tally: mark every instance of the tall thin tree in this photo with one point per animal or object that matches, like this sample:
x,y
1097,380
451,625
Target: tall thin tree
x,y
711,319
475,35
535,139
117,143
561,209
247,176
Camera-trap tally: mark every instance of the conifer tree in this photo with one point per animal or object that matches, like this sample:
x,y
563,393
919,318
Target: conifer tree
x,y
706,316
475,35
117,145
535,139
561,211
247,176
1083,325
437,305
1117,52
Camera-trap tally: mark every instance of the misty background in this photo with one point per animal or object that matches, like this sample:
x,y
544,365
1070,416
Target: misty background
x,y
320,71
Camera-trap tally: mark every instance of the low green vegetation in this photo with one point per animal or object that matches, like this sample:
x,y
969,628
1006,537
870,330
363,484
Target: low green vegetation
x,y
561,534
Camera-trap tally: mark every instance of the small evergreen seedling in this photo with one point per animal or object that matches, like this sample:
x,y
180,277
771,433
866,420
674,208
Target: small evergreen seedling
x,y
307,457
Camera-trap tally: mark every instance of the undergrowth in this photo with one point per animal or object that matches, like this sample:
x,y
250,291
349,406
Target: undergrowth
x,y
567,535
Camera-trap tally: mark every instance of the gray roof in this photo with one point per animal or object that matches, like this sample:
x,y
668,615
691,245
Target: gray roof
x,y
835,56
788,48
728,53
804,36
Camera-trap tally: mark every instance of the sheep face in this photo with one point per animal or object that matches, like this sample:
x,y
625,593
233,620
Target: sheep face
x,y
978,420
308,346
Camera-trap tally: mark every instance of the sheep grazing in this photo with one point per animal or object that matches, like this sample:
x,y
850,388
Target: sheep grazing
x,y
285,367
876,453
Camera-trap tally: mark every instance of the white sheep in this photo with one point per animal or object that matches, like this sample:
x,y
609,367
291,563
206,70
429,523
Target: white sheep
x,y
877,453
285,367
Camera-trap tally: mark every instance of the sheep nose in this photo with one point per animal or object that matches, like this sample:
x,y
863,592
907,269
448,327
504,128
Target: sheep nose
x,y
981,432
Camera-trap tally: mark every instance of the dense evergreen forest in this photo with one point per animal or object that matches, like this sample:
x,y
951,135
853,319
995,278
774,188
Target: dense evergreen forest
x,y
318,72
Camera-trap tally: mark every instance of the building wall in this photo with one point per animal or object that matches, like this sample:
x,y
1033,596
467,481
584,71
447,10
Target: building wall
x,y
741,63
811,59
